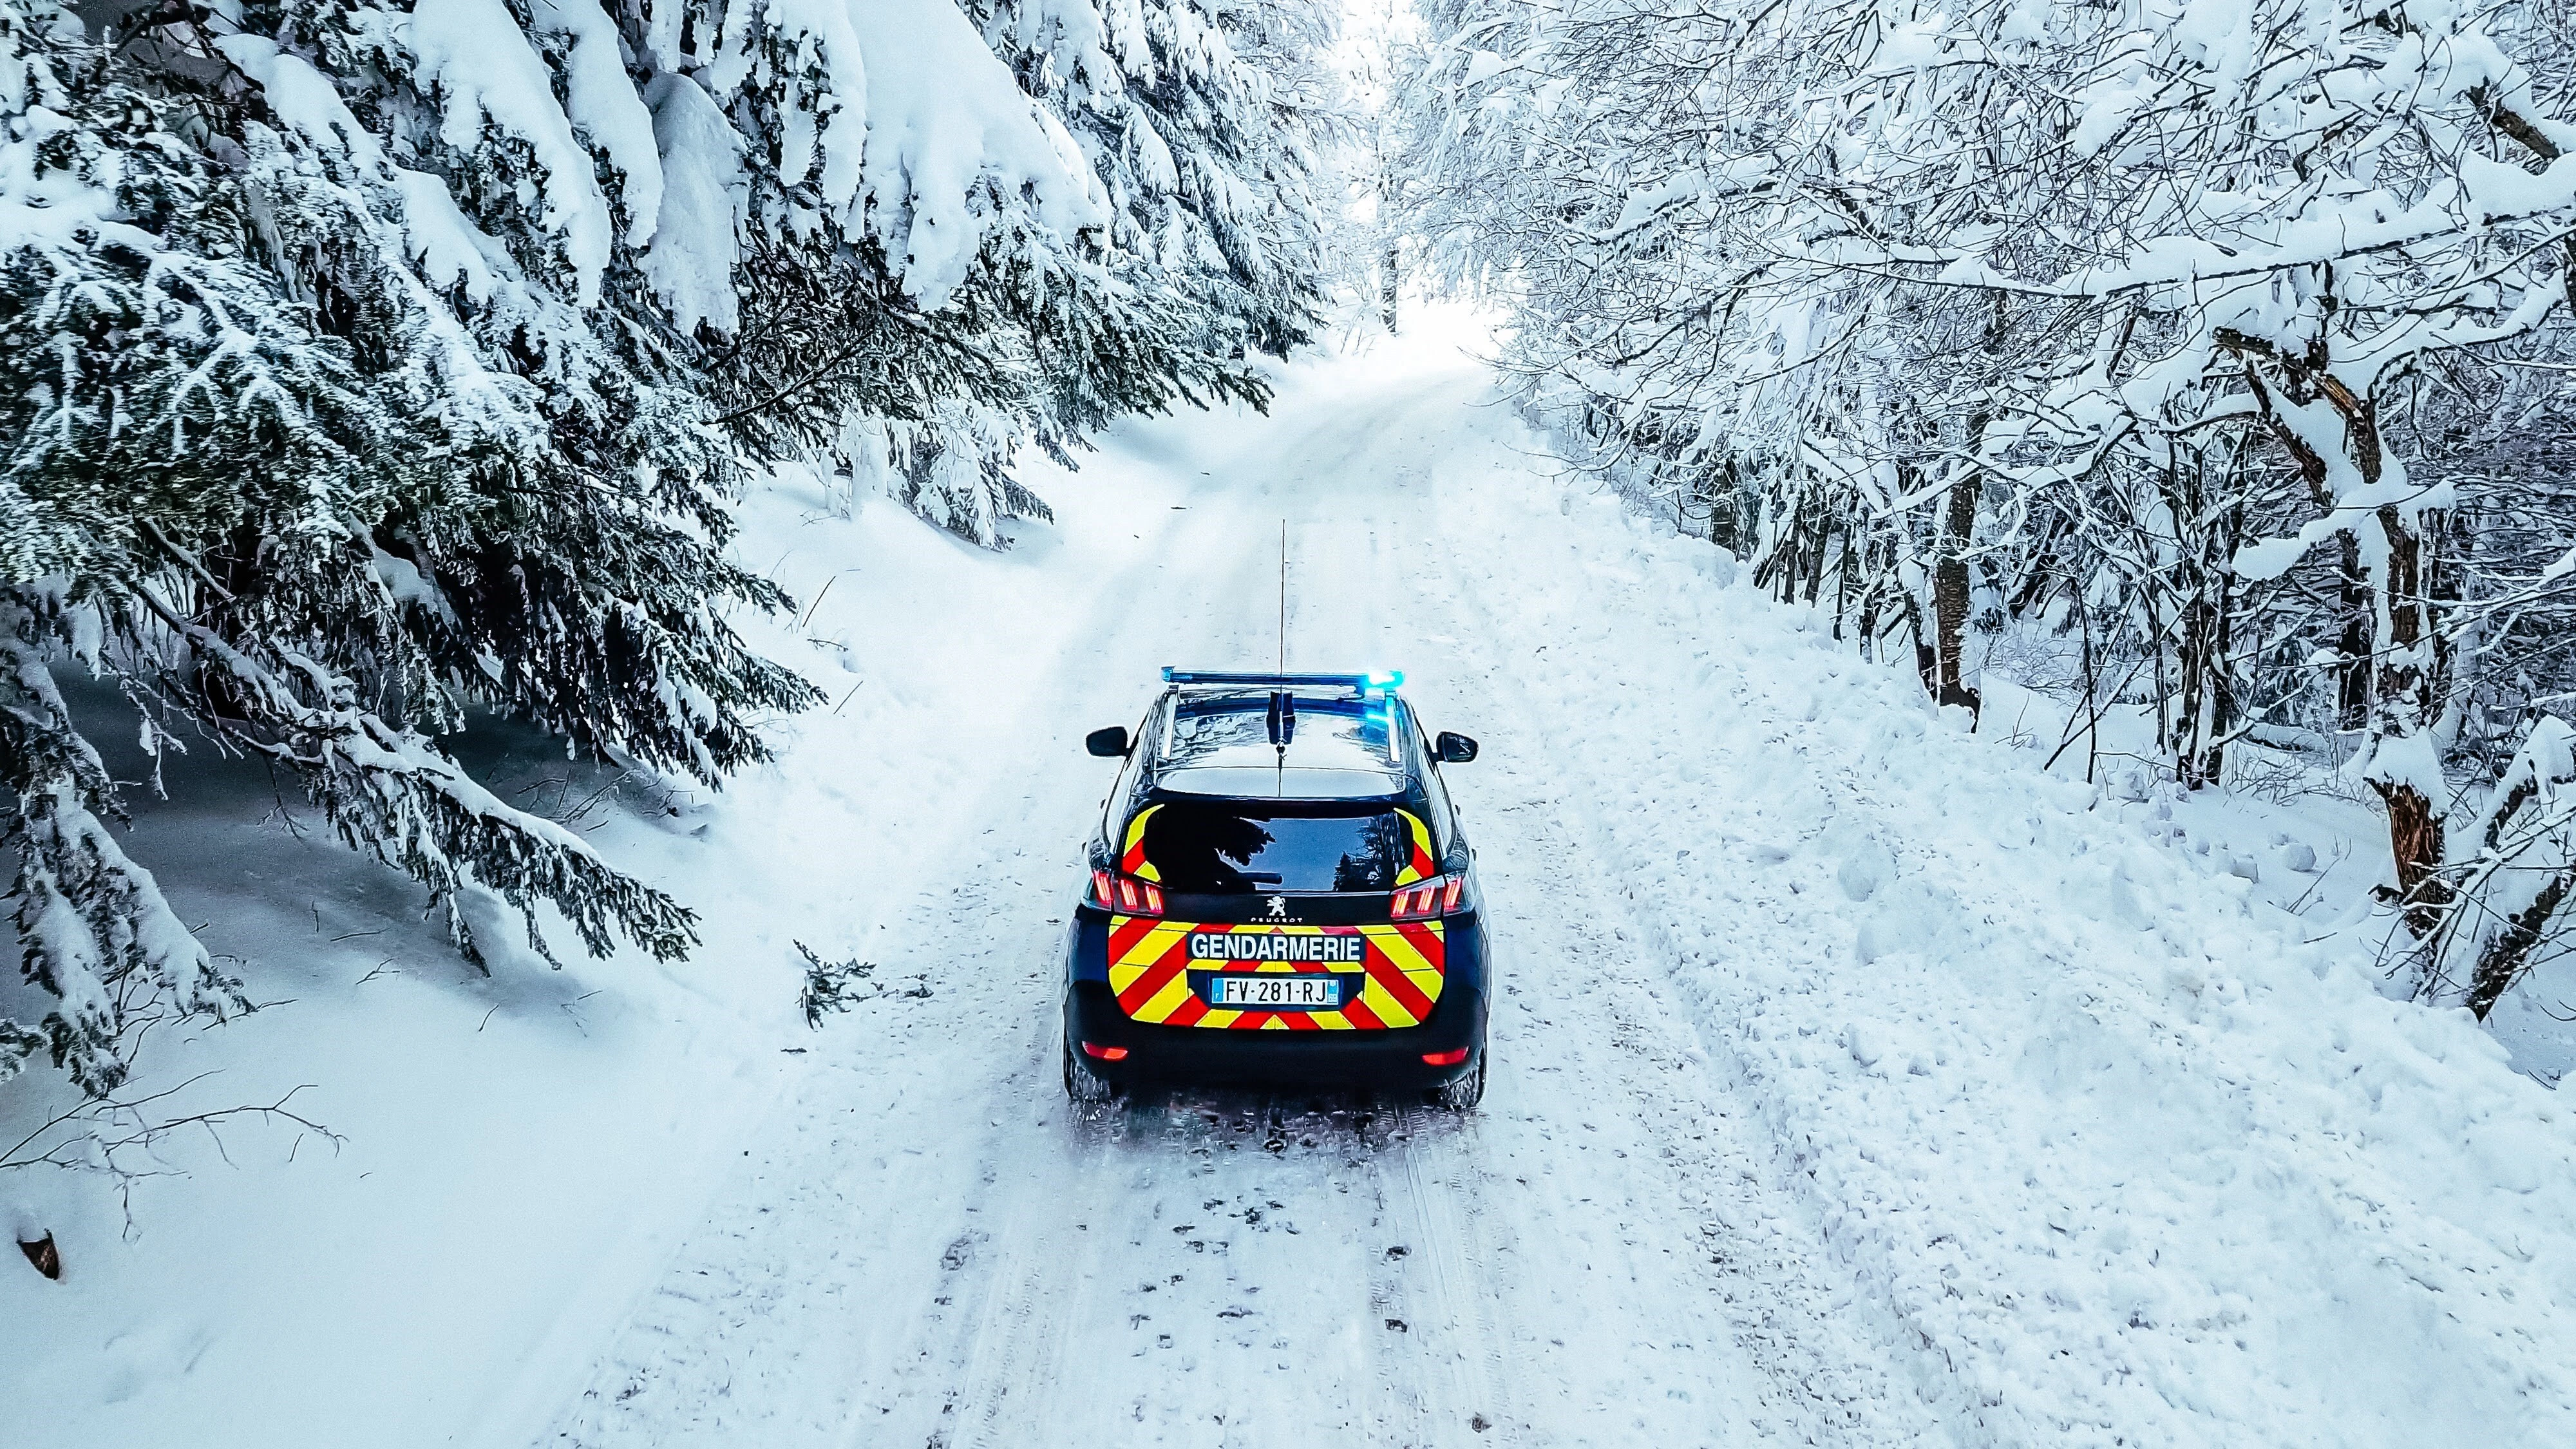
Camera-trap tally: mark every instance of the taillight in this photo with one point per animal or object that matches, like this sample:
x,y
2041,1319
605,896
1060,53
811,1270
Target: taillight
x,y
1114,892
1436,897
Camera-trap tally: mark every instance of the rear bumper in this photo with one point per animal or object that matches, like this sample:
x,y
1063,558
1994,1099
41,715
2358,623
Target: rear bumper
x,y
1383,1059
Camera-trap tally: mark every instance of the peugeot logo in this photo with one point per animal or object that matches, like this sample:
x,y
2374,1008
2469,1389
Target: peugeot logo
x,y
1278,908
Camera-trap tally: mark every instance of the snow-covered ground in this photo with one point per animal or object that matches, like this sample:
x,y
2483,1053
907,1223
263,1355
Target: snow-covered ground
x,y
2302,831
1855,1083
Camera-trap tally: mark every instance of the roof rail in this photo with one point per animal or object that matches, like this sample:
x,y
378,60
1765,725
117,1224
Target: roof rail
x,y
1379,679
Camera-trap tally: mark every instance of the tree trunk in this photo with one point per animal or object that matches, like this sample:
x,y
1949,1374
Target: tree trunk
x,y
1950,594
2415,838
2408,694
2158,676
2406,687
1871,598
1387,285
2191,730
1843,571
2207,686
2222,683
2511,948
2537,767
2352,670
2352,585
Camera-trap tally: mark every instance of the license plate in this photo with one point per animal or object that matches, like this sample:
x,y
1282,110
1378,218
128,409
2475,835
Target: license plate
x,y
1276,991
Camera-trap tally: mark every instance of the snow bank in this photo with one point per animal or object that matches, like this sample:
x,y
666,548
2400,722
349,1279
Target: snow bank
x,y
518,1152
2132,1163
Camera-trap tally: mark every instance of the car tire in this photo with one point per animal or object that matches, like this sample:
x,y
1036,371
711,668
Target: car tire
x,y
1463,1094
1081,1083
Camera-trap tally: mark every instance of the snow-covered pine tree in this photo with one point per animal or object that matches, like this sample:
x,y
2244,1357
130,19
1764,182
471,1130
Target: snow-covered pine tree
x,y
306,461
364,365
1049,326
1198,122
155,379
1203,120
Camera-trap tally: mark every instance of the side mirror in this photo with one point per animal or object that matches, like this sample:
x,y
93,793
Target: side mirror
x,y
1455,748
1111,743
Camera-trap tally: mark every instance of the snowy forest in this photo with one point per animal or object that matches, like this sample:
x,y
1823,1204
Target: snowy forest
x,y
369,368
2223,350
2015,562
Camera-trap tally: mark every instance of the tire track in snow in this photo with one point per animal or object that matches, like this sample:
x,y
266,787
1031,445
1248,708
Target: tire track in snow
x,y
1435,1332
1766,1250
753,1331
1449,1309
1010,1370
1641,1338
1020,1348
1208,1268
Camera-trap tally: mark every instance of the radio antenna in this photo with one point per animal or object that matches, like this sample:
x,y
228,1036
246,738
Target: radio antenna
x,y
1282,706
1283,596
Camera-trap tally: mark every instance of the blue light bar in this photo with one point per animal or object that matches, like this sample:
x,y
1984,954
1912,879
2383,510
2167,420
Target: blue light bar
x,y
1378,679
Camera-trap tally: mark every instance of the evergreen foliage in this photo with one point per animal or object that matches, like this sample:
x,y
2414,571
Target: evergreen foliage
x,y
1200,120
361,366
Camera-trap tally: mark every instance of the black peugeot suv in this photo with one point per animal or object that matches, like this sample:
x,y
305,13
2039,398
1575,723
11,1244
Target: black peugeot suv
x,y
1280,893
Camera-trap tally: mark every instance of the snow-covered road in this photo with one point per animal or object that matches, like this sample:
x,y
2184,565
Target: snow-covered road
x,y
926,1245
1856,1082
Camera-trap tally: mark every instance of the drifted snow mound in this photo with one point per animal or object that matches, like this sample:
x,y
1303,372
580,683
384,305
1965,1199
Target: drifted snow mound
x,y
2128,1162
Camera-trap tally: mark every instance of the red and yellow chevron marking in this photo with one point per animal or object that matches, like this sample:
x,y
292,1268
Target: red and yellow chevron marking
x,y
1149,969
1418,864
1132,859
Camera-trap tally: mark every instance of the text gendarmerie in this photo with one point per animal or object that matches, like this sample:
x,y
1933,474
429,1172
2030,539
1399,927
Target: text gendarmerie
x,y
1339,949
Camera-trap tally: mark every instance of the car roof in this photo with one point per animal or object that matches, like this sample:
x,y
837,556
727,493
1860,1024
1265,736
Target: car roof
x,y
1338,745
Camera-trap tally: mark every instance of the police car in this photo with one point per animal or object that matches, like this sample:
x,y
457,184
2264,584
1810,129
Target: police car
x,y
1280,892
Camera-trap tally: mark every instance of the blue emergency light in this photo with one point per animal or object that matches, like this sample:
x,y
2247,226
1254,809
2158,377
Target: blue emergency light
x,y
1377,679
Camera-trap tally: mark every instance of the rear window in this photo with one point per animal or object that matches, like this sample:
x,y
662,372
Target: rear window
x,y
1236,729
1226,849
